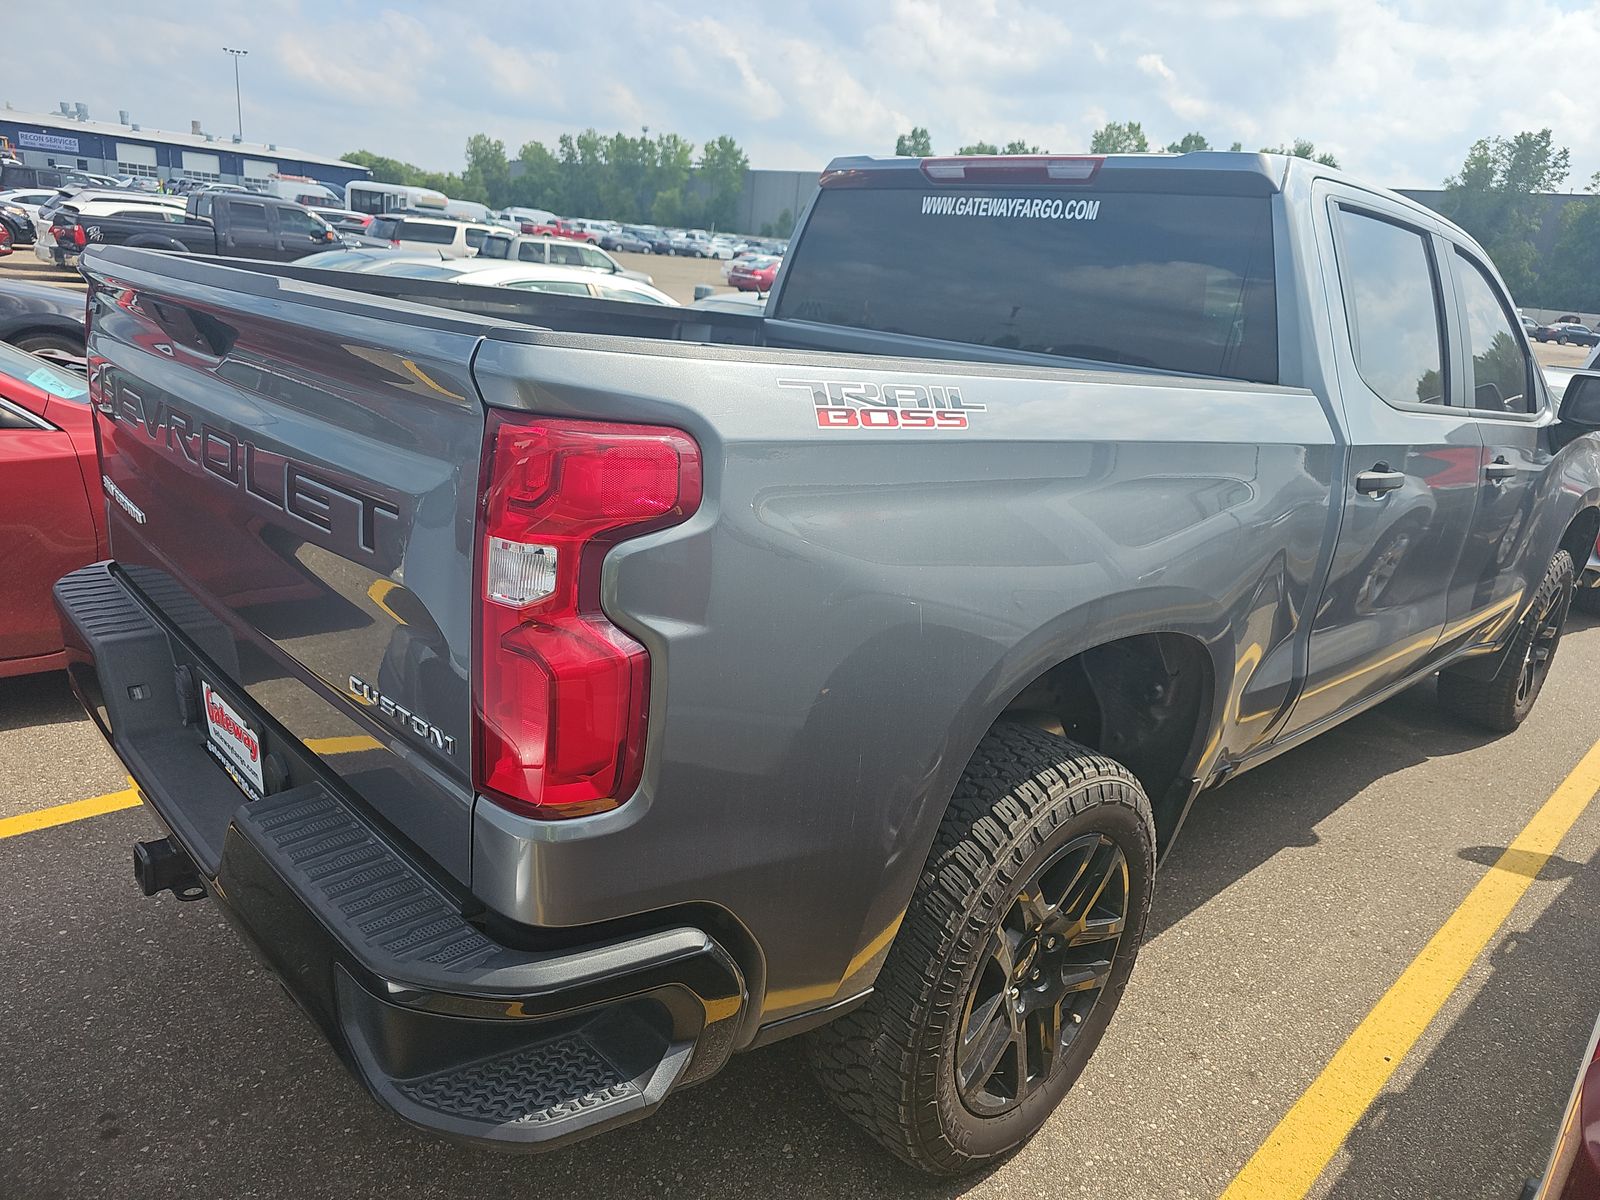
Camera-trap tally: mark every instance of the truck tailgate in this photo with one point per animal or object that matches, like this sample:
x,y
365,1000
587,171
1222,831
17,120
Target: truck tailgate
x,y
277,456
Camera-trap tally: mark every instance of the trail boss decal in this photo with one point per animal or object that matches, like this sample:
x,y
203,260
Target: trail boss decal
x,y
845,405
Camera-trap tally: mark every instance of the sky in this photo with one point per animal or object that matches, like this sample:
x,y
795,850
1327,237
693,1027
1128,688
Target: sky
x,y
1397,90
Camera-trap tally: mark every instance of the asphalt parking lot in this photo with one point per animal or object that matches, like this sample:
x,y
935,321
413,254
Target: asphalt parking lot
x,y
148,1056
678,277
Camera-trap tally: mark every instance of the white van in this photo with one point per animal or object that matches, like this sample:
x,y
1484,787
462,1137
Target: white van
x,y
516,218
452,239
303,189
374,199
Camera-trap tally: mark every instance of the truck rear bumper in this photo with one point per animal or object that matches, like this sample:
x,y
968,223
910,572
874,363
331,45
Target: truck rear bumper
x,y
453,1030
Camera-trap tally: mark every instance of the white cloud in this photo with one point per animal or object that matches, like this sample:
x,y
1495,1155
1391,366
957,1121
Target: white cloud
x,y
1398,89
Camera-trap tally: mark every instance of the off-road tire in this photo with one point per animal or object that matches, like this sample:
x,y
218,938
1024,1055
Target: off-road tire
x,y
1503,702
890,1064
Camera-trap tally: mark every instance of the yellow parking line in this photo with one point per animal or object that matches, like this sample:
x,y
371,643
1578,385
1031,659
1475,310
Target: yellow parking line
x,y
128,797
343,745
1310,1134
63,814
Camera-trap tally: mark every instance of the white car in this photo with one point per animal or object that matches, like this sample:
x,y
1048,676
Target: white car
x,y
29,200
527,277
1557,378
453,239
553,251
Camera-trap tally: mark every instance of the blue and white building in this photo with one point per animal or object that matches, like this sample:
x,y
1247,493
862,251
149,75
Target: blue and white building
x,y
71,140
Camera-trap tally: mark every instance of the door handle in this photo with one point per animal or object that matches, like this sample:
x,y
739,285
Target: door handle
x,y
1500,470
1379,480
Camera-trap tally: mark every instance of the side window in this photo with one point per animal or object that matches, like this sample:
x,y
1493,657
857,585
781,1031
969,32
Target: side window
x,y
550,285
11,418
1500,366
248,218
202,206
1391,301
293,220
475,236
531,252
566,256
594,258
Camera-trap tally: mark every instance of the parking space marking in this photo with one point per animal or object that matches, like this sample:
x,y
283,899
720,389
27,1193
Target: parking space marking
x,y
1288,1163
128,797
65,814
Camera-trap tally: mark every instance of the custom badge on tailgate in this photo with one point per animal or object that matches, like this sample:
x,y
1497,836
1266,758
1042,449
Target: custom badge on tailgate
x,y
842,404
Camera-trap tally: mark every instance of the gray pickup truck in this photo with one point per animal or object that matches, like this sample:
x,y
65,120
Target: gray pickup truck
x,y
563,695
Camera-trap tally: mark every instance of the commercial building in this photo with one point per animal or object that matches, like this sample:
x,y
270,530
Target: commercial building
x,y
71,140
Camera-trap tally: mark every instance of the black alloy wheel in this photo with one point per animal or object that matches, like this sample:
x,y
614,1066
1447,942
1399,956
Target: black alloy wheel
x,y
1547,624
1045,966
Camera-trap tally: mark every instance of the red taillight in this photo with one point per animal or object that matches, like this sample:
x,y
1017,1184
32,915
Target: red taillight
x,y
80,239
562,694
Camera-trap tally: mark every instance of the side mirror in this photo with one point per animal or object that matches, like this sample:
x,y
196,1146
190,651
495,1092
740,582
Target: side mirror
x,y
1580,404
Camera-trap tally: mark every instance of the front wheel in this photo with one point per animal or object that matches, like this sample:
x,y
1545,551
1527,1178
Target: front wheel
x,y
1010,960
1503,702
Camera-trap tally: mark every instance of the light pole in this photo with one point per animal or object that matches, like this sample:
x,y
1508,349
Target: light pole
x,y
237,103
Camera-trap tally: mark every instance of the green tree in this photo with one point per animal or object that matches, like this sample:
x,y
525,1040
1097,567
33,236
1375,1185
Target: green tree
x,y
1571,275
1496,198
1236,147
393,170
537,181
916,144
1302,148
980,148
1187,143
722,168
487,178
1119,137
1018,146
781,228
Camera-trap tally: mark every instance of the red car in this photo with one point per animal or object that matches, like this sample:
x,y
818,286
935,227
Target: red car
x,y
1574,1169
559,228
52,519
754,274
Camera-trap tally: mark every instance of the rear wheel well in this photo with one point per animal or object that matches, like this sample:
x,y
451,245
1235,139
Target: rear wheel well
x,y
66,332
1142,700
1580,536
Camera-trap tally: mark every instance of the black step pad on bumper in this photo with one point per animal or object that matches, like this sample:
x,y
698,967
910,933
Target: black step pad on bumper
x,y
454,1031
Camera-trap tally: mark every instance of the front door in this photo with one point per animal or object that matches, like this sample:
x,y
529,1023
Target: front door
x,y
1414,458
1507,404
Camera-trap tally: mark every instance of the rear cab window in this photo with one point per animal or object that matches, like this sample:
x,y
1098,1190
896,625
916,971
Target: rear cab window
x,y
427,231
1109,273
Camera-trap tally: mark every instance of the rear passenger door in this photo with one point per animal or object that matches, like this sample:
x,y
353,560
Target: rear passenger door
x,y
1507,403
246,231
1413,458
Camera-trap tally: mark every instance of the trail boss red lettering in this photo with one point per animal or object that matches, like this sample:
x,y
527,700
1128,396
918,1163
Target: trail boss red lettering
x,y
842,404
